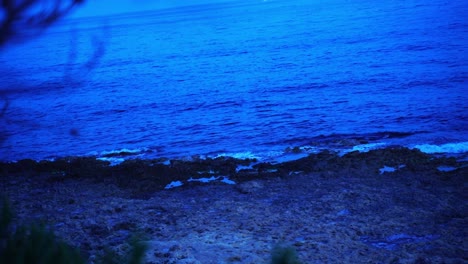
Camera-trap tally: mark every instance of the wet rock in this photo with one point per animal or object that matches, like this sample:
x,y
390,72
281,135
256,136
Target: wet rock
x,y
96,230
143,177
24,167
266,169
74,167
124,225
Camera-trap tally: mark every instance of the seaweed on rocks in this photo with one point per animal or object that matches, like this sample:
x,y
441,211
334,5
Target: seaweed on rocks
x,y
145,176
319,162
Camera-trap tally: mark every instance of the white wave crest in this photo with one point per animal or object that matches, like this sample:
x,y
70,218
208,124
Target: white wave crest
x,y
460,147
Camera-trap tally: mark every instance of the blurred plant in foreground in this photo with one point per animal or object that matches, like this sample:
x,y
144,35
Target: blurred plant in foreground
x,y
21,18
284,255
37,244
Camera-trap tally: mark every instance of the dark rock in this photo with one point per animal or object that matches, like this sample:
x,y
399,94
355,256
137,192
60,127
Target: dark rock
x,y
124,226
250,187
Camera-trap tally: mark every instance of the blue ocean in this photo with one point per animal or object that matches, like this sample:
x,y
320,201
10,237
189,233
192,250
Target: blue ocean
x,y
243,78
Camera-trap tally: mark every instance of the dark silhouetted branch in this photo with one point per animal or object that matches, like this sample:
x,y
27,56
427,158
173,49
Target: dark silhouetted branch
x,y
21,20
21,16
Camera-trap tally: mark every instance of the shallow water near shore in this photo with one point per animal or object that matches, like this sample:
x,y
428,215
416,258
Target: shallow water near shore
x,y
242,78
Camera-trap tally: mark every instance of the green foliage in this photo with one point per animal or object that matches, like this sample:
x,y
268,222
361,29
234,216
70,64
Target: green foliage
x,y
284,255
137,252
5,218
134,256
37,244
32,244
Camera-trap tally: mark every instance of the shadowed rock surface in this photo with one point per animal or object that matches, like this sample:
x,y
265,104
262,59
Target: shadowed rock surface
x,y
391,205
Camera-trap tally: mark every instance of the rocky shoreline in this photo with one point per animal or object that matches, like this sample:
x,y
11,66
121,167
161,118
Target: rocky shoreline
x,y
392,205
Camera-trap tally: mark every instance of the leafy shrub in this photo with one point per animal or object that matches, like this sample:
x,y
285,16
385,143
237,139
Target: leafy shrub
x,y
32,244
37,244
284,255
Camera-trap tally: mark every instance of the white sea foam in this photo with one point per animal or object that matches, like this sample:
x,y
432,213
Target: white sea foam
x,y
368,147
460,147
239,155
291,157
173,185
444,168
124,150
390,169
113,161
228,181
386,169
364,147
242,167
204,180
212,178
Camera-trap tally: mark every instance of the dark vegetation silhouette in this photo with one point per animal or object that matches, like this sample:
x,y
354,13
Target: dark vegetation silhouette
x,y
31,16
37,243
24,20
20,21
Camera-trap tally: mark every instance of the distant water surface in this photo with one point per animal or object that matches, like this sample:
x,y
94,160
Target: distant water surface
x,y
242,77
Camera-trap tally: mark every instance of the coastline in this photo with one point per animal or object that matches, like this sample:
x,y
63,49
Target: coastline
x,y
380,206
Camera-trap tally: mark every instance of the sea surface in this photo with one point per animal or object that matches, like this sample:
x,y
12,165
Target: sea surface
x,y
243,78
